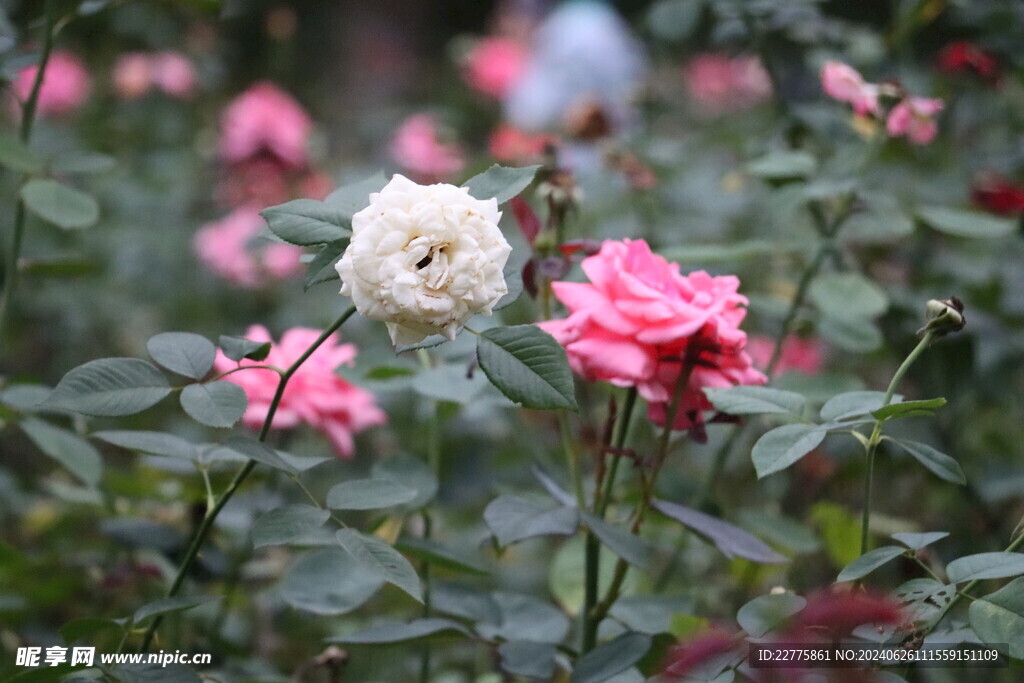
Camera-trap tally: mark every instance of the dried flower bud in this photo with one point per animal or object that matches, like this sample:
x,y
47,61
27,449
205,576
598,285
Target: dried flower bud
x,y
944,316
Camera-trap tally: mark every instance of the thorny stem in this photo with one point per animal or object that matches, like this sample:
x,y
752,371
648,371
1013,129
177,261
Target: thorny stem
x,y
211,514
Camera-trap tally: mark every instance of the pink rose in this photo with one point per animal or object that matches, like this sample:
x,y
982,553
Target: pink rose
x,y
417,148
265,120
494,65
230,248
915,118
65,85
509,144
844,83
133,76
315,395
801,355
173,73
719,83
638,321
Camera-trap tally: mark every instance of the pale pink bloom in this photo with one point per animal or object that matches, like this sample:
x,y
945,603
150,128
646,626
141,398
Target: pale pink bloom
x,y
260,181
719,83
65,84
915,118
315,395
231,248
316,185
494,65
173,73
802,355
133,76
510,144
417,148
265,120
844,83
639,321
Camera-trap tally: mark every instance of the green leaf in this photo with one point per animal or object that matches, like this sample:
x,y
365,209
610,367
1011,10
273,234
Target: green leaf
x,y
167,605
525,617
110,387
897,410
214,404
72,451
59,204
329,581
999,617
778,530
726,253
376,555
260,452
731,540
936,462
439,555
187,354
918,541
528,366
848,296
15,155
77,629
307,222
83,162
410,472
368,494
966,223
999,565
857,335
782,165
513,519
764,614
781,447
611,658
501,182
854,404
237,348
869,562
353,198
630,547
151,443
287,524
749,400
528,658
321,268
465,602
400,632
448,382
650,614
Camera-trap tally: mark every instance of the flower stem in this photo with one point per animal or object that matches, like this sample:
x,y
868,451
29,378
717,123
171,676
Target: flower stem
x,y
434,461
206,524
876,437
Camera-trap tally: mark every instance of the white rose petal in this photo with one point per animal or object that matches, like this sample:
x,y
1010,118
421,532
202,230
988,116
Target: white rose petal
x,y
424,259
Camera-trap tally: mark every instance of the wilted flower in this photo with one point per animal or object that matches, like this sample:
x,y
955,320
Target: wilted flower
x,y
424,259
65,84
639,321
493,65
799,354
418,148
315,395
914,117
719,82
231,248
844,83
265,120
832,614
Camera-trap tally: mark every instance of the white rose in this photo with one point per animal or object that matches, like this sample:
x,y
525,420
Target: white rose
x,y
424,259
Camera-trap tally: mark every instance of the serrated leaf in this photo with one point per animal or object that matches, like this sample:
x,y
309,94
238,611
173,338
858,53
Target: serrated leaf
x,y
412,473
528,366
728,538
237,348
848,296
783,164
999,617
59,204
869,562
110,387
355,197
167,605
512,519
307,222
15,155
998,565
368,494
329,582
858,335
918,541
501,182
400,632
187,354
936,462
439,555
321,268
214,404
611,658
781,447
70,450
966,223
287,524
750,400
908,408
854,404
764,614
623,543
151,443
375,554
260,452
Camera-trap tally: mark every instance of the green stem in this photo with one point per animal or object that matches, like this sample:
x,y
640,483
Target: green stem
x,y
433,429
876,437
572,458
619,443
211,514
28,115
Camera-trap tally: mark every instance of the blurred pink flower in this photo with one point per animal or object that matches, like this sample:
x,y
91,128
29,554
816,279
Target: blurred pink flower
x,y
915,118
844,83
639,321
721,83
225,246
510,144
65,85
133,76
258,181
315,395
417,148
494,65
265,120
173,73
801,355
